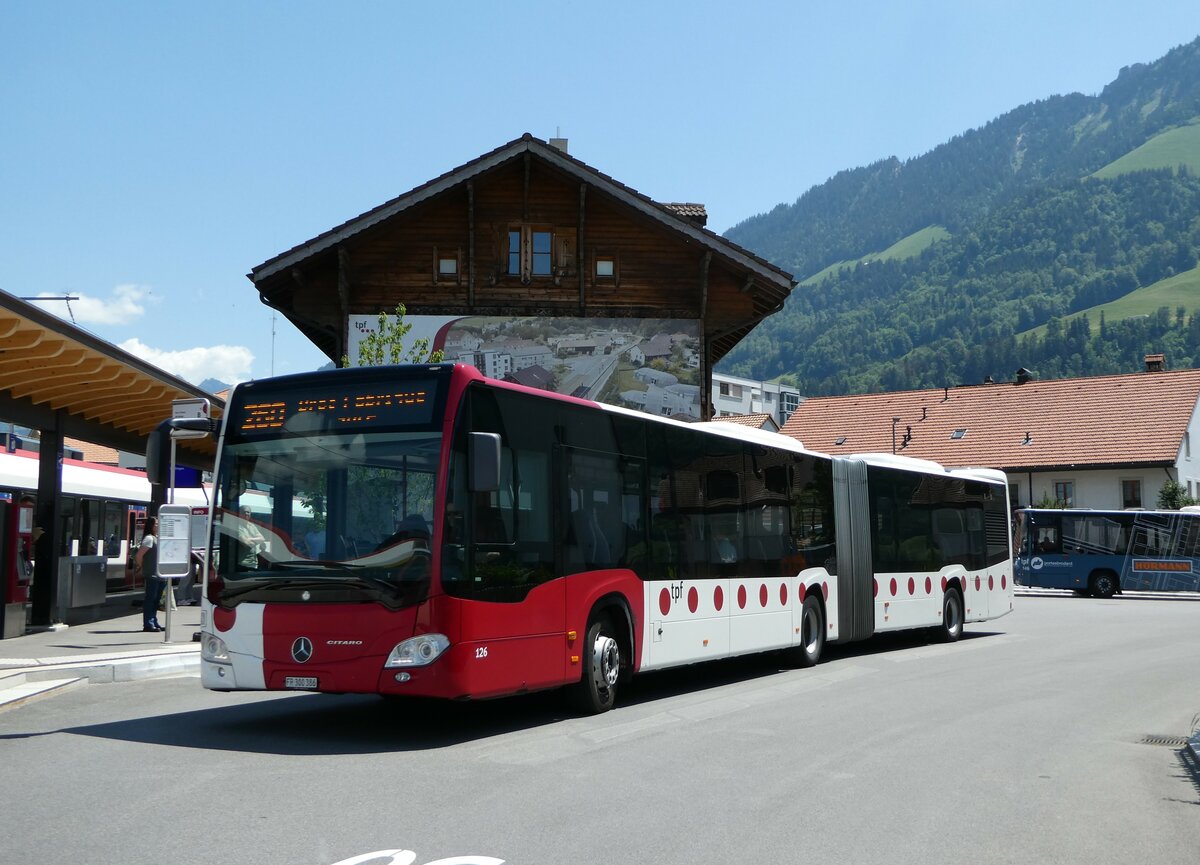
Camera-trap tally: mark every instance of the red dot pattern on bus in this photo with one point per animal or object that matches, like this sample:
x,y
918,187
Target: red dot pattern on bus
x,y
223,618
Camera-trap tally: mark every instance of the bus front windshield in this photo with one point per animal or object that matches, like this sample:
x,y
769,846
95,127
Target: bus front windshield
x,y
346,514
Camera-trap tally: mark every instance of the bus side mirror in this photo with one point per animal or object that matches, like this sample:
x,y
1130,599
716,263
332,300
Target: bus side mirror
x,y
483,453
158,454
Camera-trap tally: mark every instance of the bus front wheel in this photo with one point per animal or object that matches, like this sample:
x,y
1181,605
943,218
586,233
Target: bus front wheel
x,y
812,635
951,627
1103,584
596,691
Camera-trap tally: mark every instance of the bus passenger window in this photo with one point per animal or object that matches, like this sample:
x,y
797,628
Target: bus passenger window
x,y
1047,540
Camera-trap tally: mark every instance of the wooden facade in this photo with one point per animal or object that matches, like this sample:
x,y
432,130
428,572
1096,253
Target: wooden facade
x,y
525,230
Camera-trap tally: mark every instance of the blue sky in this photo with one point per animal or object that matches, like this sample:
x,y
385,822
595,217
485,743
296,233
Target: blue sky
x,y
151,153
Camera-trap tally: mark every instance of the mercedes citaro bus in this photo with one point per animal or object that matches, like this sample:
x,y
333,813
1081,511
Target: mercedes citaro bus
x,y
435,533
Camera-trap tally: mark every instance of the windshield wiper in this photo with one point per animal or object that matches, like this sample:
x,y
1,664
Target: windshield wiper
x,y
267,583
324,564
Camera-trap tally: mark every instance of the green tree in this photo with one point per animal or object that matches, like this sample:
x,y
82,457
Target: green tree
x,y
1173,496
386,344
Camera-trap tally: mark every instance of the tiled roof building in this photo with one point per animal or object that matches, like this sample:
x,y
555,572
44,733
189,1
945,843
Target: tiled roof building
x,y
1102,442
758,421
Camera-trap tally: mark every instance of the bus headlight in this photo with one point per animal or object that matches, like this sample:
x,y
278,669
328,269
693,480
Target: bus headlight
x,y
418,651
212,648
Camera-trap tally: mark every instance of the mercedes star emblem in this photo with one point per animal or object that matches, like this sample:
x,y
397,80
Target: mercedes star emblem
x,y
302,650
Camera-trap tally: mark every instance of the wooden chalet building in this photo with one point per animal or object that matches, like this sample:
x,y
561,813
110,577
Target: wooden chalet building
x,y
526,230
1106,441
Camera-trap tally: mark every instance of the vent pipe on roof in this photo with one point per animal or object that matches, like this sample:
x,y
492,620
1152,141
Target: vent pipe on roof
x,y
1024,375
1155,362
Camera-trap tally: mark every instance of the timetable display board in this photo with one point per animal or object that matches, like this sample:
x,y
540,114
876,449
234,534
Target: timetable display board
x,y
174,541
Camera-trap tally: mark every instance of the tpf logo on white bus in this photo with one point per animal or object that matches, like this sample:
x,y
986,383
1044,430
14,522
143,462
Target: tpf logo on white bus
x,y
408,857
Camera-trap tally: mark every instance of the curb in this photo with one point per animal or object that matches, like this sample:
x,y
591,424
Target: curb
x,y
19,693
20,685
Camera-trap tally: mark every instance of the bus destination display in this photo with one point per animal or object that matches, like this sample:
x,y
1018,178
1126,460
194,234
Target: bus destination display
x,y
365,407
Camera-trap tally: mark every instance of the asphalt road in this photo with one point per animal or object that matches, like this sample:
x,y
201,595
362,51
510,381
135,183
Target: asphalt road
x,y
1021,743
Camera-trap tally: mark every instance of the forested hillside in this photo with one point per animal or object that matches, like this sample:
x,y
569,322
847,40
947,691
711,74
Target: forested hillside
x,y
1037,216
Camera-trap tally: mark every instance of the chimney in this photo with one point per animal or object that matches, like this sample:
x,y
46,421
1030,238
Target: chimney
x,y
1155,362
1024,375
559,143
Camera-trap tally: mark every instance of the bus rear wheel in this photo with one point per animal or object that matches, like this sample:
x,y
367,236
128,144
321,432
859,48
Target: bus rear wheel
x,y
596,691
951,627
1103,584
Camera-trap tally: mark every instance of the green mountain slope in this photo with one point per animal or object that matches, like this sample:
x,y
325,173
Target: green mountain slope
x,y
905,247
1173,149
1181,291
1052,209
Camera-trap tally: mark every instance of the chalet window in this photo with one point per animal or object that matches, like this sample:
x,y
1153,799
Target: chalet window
x,y
514,252
1064,494
539,251
540,260
605,267
446,264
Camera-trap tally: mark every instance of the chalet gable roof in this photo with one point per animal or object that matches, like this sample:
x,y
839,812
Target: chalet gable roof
x,y
1138,419
677,217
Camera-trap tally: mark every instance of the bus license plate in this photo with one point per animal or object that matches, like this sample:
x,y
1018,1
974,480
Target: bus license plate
x,y
307,683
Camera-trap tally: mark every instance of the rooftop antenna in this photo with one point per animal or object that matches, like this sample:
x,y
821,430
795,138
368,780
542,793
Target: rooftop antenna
x,y
66,298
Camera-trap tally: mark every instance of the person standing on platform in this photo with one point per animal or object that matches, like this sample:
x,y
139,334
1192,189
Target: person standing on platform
x,y
146,562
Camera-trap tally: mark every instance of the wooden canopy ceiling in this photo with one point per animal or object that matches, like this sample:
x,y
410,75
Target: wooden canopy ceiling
x,y
51,370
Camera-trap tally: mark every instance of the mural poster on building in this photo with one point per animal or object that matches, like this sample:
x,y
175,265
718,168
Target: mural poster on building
x,y
652,365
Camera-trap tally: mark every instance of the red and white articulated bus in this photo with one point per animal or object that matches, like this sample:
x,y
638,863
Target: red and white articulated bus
x,y
434,533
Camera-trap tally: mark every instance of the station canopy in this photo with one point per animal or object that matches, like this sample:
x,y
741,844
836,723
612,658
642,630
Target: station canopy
x,y
53,374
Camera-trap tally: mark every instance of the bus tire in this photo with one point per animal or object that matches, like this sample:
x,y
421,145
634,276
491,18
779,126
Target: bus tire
x,y
1103,584
596,690
812,634
951,627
